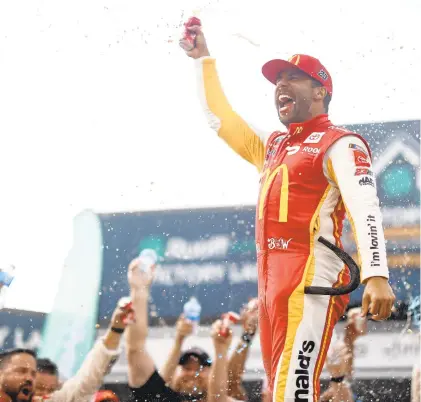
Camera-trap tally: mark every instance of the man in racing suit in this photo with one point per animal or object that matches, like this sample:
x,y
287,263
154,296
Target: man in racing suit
x,y
310,176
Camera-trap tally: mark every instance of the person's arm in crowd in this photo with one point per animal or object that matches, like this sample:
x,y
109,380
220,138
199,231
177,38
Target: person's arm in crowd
x,y
140,364
355,327
237,362
416,385
218,377
348,167
337,363
184,328
96,365
246,141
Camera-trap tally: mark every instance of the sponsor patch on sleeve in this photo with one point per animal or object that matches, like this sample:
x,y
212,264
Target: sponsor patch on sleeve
x,y
363,172
361,159
359,148
366,181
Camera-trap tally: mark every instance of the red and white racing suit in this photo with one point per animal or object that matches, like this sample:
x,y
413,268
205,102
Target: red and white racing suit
x,y
310,176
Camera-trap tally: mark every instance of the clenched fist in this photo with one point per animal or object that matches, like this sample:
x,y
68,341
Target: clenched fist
x,y
193,41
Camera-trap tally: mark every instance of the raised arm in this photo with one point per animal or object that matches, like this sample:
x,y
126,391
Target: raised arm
x,y
91,375
183,329
141,365
237,362
357,185
218,377
246,141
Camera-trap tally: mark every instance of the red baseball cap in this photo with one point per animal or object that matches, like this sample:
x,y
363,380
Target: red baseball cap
x,y
307,64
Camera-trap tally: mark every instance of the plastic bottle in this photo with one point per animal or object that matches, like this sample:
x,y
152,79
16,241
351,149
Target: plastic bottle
x,y
192,310
147,259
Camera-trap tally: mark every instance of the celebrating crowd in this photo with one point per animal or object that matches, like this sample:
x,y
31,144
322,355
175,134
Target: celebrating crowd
x,y
189,375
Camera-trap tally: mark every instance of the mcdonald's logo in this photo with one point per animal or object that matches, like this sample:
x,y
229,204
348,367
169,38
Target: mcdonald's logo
x,y
295,59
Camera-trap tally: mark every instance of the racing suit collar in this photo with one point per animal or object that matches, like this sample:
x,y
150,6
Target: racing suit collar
x,y
309,125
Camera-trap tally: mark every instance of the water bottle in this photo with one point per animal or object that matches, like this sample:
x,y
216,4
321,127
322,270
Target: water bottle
x,y
192,310
147,259
7,274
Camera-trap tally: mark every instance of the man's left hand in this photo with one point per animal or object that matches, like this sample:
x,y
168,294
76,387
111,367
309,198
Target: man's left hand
x,y
378,298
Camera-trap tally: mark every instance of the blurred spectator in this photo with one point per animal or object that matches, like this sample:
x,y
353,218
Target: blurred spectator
x,y
183,329
338,365
340,358
192,375
414,321
18,369
187,373
47,378
218,379
146,385
17,374
185,376
416,384
237,363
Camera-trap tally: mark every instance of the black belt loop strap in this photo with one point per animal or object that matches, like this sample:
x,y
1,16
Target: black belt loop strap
x,y
353,269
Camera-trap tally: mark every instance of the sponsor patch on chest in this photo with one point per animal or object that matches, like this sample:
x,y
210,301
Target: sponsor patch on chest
x,y
273,147
311,150
314,138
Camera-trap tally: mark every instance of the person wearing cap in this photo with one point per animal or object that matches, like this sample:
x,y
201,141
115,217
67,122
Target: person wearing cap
x,y
192,375
310,174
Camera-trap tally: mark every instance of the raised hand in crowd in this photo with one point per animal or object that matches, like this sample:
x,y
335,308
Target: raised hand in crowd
x,y
340,358
97,363
237,362
19,366
338,365
141,365
218,378
183,328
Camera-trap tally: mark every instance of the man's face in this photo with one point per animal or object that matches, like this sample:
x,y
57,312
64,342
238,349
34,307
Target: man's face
x,y
192,378
17,377
294,95
45,384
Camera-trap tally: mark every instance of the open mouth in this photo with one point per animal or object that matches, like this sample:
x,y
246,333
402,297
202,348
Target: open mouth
x,y
285,104
26,390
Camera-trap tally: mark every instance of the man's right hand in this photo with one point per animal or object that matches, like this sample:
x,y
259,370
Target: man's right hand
x,y
139,280
201,48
